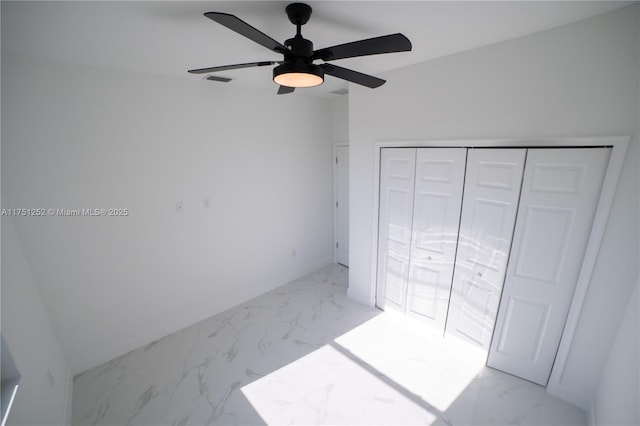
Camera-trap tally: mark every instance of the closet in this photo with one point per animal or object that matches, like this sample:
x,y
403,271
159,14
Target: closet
x,y
486,244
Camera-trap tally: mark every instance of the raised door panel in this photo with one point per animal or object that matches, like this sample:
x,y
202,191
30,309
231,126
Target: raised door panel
x,y
491,193
436,217
560,192
397,175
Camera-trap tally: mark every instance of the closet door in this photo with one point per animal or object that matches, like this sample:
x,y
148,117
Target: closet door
x,y
491,193
397,172
436,217
560,193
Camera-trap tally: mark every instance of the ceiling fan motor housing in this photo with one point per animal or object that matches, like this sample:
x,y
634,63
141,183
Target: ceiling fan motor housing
x,y
299,14
299,47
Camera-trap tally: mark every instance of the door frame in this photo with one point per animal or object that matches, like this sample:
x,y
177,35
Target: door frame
x,y
619,145
336,145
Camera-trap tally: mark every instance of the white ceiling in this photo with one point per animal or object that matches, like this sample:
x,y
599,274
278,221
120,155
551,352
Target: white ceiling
x,y
169,37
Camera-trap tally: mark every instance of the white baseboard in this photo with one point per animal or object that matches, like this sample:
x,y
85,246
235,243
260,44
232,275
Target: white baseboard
x,y
306,270
359,297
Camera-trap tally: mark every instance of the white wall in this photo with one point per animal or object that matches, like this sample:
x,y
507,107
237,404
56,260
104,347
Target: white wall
x,y
28,333
576,80
340,118
618,393
82,137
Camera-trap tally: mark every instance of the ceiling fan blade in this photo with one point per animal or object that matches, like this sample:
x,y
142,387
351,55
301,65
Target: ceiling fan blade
x,y
283,90
238,25
232,67
353,76
371,46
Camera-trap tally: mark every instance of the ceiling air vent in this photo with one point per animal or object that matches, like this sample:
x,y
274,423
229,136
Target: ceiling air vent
x,y
340,91
217,78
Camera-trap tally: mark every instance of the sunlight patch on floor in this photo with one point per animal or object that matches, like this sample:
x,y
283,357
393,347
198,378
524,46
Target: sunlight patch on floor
x,y
413,355
389,370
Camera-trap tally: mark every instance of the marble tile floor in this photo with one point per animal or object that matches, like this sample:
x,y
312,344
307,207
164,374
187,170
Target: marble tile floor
x,y
305,354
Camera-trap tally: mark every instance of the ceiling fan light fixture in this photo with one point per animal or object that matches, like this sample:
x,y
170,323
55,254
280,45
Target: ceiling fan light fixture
x,y
298,75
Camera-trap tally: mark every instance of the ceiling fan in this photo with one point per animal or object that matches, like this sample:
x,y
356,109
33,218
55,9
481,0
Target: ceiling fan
x,y
297,69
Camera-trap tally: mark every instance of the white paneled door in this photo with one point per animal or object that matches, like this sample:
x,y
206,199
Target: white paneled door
x,y
342,205
491,195
560,192
436,212
487,244
397,171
